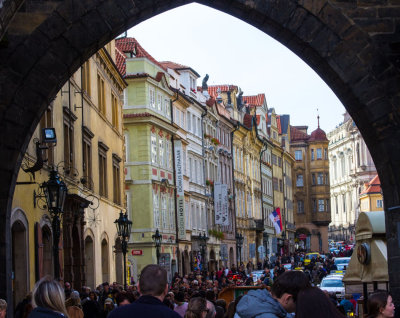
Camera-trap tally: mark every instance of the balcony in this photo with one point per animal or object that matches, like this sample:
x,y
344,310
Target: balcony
x,y
321,218
256,224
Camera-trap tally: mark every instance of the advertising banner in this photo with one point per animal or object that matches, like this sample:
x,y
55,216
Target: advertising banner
x,y
180,196
221,204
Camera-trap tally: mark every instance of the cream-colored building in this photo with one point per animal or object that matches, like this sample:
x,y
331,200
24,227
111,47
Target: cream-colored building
x,y
351,167
87,117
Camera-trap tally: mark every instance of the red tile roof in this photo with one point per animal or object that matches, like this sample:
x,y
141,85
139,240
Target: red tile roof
x,y
318,135
278,124
296,134
255,100
212,90
130,45
374,186
247,120
120,61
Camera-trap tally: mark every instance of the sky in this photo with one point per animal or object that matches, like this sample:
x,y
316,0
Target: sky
x,y
231,51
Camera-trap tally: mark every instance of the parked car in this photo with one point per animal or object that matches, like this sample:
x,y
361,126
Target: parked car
x,y
333,284
342,263
309,257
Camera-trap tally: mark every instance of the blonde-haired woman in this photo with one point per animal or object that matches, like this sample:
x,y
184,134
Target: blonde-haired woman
x,y
48,299
197,308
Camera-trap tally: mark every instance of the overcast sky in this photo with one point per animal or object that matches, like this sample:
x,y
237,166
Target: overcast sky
x,y
233,52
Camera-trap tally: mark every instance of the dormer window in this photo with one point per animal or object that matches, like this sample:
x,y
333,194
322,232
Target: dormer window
x,y
192,85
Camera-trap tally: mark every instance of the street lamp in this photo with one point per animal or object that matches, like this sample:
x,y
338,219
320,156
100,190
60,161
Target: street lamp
x,y
157,239
239,243
124,231
55,192
203,246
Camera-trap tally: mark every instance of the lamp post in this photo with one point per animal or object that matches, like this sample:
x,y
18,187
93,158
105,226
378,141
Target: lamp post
x,y
157,240
55,192
203,246
124,231
239,243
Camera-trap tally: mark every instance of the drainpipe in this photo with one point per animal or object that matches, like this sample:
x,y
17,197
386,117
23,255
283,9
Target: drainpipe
x,y
233,189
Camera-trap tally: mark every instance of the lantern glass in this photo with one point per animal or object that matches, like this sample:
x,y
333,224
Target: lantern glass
x,y
55,192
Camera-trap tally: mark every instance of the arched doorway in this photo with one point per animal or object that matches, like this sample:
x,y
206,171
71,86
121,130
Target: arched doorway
x,y
19,261
89,262
119,261
326,34
105,268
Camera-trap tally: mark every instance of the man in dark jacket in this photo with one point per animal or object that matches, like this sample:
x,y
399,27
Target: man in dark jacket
x,y
277,304
153,286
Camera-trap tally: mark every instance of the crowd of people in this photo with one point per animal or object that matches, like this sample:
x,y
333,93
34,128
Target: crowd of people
x,y
282,292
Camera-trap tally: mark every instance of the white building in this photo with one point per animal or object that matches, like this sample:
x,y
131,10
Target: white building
x,y
351,166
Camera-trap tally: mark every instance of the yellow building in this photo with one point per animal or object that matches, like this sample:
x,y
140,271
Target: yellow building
x,y
87,117
149,134
247,177
371,198
311,174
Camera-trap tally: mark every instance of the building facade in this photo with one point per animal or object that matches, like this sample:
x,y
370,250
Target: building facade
x,y
149,180
311,194
87,118
351,167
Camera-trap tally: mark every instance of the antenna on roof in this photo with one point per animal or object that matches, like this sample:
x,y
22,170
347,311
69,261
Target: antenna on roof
x,y
318,117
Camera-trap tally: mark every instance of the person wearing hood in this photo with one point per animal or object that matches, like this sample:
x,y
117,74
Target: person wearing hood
x,y
260,303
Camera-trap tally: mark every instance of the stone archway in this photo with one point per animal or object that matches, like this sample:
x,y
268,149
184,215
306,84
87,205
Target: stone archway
x,y
357,56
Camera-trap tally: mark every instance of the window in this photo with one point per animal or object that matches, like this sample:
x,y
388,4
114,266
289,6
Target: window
x,y
327,207
325,154
45,122
326,178
116,179
164,211
343,163
275,183
101,94
194,124
167,108
320,178
161,155
314,205
69,119
169,156
300,206
319,154
321,205
188,121
379,203
198,127
152,97
153,149
336,205
86,77
172,214
159,102
313,178
299,180
274,160
279,162
298,155
312,154
87,156
103,169
335,168
280,185
114,106
156,210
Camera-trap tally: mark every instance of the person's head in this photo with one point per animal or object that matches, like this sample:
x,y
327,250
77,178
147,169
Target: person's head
x,y
48,293
124,298
313,302
179,297
153,281
67,286
197,308
92,295
3,308
210,310
286,287
210,295
380,305
106,287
